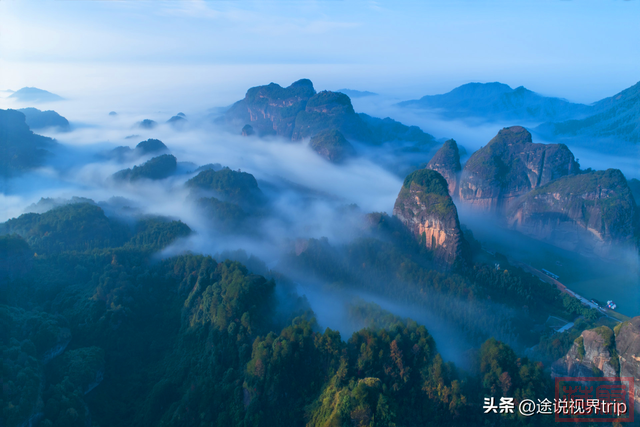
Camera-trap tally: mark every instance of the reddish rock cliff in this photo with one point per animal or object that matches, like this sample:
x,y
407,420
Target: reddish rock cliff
x,y
425,207
603,352
591,213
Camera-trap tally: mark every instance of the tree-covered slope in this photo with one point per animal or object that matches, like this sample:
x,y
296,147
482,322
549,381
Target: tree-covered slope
x,y
37,119
232,186
71,227
190,341
160,167
84,226
20,148
332,145
617,117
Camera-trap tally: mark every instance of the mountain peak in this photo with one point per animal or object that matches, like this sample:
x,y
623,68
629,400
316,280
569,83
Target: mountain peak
x,y
498,101
425,207
37,119
33,94
511,165
302,83
446,162
512,135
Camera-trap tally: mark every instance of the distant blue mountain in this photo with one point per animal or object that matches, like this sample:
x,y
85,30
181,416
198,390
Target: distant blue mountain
x,y
498,101
614,117
356,93
20,148
32,94
37,119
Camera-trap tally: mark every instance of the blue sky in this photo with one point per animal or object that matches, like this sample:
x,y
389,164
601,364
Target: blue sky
x,y
581,50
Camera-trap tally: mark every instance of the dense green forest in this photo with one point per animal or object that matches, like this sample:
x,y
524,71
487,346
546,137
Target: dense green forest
x,y
231,186
479,299
97,330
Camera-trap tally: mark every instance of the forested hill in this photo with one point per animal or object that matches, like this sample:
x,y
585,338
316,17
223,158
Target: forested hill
x,y
616,117
20,148
97,330
193,342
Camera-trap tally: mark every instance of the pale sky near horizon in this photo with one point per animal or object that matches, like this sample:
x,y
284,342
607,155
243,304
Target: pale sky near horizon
x,y
579,50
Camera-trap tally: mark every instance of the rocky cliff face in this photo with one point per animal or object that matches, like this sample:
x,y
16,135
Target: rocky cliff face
x,y
331,110
446,162
634,185
589,213
512,165
603,352
593,353
425,207
628,349
271,109
298,112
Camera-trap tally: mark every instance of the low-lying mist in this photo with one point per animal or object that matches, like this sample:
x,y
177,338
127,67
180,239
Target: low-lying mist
x,y
473,133
588,276
308,197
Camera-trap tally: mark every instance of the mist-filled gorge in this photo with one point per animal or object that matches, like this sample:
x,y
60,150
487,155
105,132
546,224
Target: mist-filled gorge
x,y
223,228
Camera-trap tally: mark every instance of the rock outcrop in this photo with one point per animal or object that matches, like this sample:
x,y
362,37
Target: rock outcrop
x,y
298,112
590,213
603,352
593,354
425,207
512,165
271,109
628,349
247,130
446,162
332,145
331,110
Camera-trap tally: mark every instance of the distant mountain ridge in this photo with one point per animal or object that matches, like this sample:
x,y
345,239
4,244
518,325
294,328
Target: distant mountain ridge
x,y
352,93
498,101
615,117
33,94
